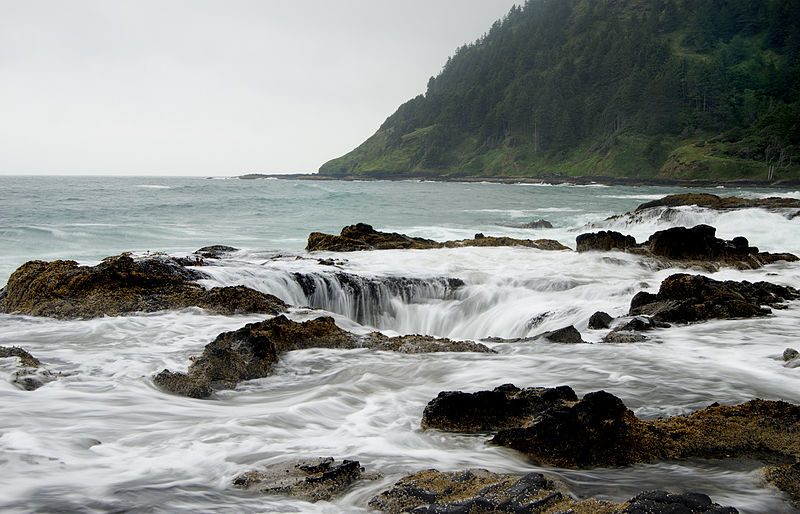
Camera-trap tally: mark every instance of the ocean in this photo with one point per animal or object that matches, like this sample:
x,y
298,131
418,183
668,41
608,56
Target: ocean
x,y
102,437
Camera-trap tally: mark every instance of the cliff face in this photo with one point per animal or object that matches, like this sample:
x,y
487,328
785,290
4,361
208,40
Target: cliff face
x,y
666,88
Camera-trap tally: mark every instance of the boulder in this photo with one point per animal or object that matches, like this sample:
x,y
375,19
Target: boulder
x,y
604,240
250,352
363,237
215,251
600,320
565,335
685,298
506,406
28,375
311,480
121,285
790,354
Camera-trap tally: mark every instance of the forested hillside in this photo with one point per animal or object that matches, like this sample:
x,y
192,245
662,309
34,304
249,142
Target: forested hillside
x,y
637,88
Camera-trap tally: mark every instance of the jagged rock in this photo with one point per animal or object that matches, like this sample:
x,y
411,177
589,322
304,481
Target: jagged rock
x,y
600,320
710,201
480,491
604,240
363,237
566,335
686,298
215,251
251,351
663,502
786,478
504,407
694,246
312,480
29,374
120,285
555,429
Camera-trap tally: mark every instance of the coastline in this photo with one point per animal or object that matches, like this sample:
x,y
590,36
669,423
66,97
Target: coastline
x,y
552,179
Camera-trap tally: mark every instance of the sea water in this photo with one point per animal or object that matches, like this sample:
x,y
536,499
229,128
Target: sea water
x,y
103,438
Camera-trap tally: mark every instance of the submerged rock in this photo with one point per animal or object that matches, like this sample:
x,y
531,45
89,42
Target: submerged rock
x,y
694,246
250,352
477,491
311,480
686,298
121,285
363,237
786,478
28,374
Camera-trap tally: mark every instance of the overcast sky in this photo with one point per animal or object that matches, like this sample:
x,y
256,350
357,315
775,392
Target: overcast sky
x,y
214,87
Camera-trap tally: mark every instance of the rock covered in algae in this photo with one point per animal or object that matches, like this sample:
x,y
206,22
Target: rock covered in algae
x,y
478,491
363,237
121,285
251,351
28,373
686,298
710,201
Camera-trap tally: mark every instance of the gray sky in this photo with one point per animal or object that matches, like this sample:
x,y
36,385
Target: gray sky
x,y
214,87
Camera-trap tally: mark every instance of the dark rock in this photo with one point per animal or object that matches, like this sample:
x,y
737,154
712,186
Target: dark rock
x,y
710,201
121,285
604,241
250,352
479,235
786,478
623,337
363,237
642,324
536,224
312,480
566,335
215,251
662,502
504,407
29,375
790,354
687,298
600,320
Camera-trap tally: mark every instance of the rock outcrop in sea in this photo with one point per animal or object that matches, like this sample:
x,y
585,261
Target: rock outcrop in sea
x,y
710,201
688,246
363,237
250,352
554,428
121,285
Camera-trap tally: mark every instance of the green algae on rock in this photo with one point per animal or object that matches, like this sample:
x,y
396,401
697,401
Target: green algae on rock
x,y
121,285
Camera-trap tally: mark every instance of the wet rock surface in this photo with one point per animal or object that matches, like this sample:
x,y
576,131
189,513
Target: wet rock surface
x,y
691,246
478,491
600,320
710,201
505,406
687,298
215,251
565,335
363,237
313,480
28,373
786,478
250,352
121,285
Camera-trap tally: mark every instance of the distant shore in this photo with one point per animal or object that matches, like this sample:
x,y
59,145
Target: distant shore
x,y
555,179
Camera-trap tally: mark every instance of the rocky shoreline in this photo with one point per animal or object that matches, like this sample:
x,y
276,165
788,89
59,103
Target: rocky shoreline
x,y
550,426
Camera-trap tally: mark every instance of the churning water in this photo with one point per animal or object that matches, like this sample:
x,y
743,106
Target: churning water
x,y
103,438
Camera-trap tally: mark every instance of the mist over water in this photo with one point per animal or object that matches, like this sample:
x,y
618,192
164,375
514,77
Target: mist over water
x,y
102,437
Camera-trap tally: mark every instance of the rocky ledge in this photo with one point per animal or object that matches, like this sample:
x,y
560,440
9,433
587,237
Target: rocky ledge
x,y
689,246
121,285
710,201
363,237
29,374
687,298
554,428
250,352
480,491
